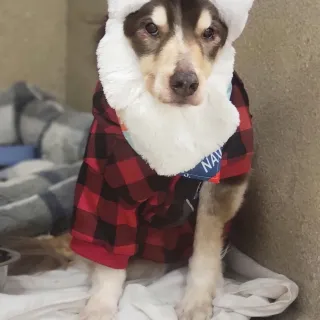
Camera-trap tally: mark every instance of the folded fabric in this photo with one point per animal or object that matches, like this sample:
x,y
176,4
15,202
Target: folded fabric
x,y
38,202
26,168
13,154
32,117
36,197
8,134
248,291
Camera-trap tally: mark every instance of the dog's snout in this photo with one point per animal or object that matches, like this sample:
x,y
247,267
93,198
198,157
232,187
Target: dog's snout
x,y
183,83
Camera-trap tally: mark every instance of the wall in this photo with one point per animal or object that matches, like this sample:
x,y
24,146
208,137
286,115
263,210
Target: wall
x,y
83,21
33,43
279,58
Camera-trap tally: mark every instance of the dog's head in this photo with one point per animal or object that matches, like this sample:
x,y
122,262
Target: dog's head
x,y
165,67
176,43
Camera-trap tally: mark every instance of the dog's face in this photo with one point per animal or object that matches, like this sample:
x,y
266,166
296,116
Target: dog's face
x,y
176,42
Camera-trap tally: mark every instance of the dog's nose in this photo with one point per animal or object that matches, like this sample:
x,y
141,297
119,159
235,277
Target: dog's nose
x,y
184,84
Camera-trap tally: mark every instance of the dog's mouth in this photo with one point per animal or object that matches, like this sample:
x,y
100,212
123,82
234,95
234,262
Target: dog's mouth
x,y
181,102
184,88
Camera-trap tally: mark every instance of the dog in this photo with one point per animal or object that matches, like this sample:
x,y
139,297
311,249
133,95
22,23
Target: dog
x,y
170,53
175,45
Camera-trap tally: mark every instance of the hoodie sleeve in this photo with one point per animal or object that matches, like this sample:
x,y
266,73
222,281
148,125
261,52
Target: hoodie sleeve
x,y
113,182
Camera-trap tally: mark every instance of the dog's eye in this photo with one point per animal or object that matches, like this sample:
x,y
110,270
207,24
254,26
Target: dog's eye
x,y
152,29
208,34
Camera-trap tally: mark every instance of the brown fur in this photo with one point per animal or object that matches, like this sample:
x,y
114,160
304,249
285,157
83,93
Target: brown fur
x,y
218,204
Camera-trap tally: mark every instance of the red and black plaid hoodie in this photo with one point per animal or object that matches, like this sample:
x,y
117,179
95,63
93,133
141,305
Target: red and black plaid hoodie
x,y
123,209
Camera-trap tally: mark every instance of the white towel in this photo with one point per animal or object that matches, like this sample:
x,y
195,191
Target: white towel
x,y
249,291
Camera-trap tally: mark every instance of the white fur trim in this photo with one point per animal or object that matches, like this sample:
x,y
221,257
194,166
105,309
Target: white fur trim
x,y
233,12
171,139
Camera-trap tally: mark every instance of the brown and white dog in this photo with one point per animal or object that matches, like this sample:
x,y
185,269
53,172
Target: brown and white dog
x,y
174,59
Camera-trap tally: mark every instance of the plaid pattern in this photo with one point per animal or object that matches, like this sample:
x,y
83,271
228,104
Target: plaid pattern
x,y
238,151
40,202
124,209
32,117
8,134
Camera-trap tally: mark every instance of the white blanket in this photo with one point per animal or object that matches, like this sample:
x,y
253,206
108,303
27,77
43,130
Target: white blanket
x,y
249,290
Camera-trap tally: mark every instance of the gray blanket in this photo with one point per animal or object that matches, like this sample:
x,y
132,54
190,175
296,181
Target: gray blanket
x,y
30,116
40,202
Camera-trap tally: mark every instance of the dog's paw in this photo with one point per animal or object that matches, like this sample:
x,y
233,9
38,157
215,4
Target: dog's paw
x,y
192,307
98,310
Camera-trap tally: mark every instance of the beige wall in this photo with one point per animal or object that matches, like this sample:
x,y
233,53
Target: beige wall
x,y
33,43
84,19
279,57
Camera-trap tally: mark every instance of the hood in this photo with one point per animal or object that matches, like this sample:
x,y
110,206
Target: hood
x,y
177,147
233,12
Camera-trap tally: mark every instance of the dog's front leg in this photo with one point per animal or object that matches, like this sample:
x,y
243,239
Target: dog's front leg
x,y
107,287
218,204
205,264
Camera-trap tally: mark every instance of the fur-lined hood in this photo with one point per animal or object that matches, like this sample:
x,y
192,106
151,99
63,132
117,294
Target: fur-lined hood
x,y
233,12
170,140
